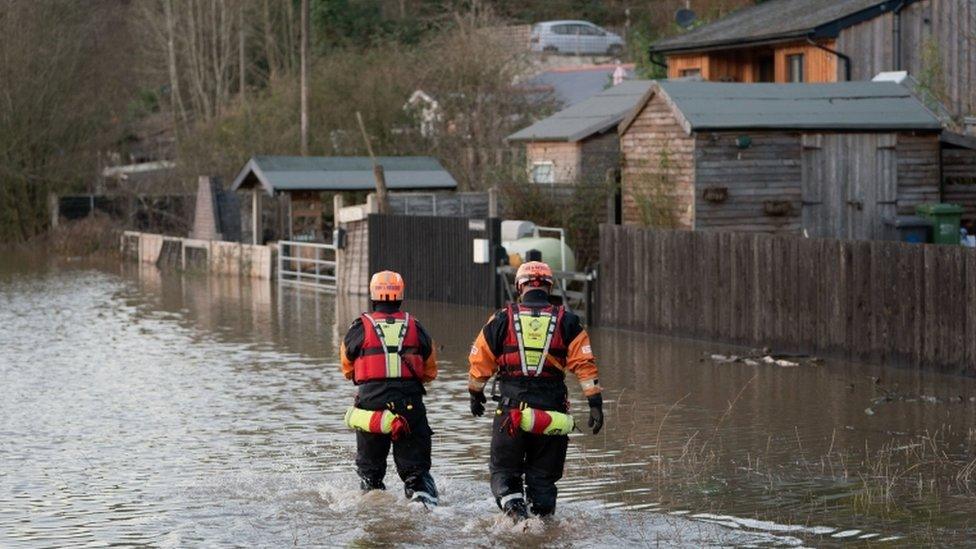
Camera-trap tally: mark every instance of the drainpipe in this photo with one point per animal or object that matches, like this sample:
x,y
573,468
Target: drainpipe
x,y
844,58
896,35
653,60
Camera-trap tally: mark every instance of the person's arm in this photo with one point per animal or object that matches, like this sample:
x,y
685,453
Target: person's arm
x,y
484,352
351,346
579,358
581,362
428,351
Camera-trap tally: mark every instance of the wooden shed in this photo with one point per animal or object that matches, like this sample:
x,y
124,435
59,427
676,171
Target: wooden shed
x,y
834,41
579,143
301,180
830,160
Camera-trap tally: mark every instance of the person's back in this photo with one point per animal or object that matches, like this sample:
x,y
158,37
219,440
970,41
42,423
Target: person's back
x,y
389,356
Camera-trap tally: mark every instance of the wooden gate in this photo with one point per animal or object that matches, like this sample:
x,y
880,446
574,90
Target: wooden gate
x,y
850,184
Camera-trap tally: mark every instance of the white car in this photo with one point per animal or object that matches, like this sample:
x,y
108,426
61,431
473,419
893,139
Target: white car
x,y
576,38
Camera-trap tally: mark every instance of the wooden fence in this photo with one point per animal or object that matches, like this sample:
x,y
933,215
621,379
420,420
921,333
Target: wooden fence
x,y
885,302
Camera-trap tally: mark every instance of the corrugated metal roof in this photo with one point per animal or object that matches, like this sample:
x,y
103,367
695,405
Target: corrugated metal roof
x,y
773,20
595,115
342,173
858,106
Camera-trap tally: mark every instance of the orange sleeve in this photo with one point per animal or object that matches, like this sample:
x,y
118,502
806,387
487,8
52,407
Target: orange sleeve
x,y
581,362
482,363
346,363
430,365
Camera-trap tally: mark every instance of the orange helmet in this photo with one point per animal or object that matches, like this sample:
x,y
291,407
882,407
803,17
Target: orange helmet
x,y
534,273
386,286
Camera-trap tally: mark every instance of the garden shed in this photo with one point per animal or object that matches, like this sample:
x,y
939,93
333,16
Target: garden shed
x,y
579,144
827,160
301,180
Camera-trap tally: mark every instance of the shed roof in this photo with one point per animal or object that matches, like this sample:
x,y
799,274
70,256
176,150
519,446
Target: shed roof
x,y
597,114
341,173
850,106
776,21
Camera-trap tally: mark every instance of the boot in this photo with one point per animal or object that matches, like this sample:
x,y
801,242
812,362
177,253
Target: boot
x,y
516,510
421,488
367,484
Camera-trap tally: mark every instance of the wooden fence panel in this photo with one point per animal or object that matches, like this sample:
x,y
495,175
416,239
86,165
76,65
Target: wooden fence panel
x,y
876,301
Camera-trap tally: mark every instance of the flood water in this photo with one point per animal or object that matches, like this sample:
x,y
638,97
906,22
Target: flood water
x,y
178,410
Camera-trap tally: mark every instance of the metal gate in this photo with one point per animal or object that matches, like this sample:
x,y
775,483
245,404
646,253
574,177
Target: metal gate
x,y
307,265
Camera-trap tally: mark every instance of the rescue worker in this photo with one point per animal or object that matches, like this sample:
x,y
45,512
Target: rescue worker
x,y
529,346
389,356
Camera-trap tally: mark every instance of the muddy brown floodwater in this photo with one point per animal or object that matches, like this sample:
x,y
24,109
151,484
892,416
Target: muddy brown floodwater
x,y
177,410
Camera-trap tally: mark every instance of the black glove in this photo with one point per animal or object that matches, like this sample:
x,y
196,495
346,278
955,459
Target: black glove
x,y
477,403
596,412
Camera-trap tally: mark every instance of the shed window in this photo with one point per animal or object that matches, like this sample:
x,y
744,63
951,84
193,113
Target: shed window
x,y
690,72
543,172
794,64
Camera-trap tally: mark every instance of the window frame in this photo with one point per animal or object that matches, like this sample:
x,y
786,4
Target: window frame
x,y
800,58
542,163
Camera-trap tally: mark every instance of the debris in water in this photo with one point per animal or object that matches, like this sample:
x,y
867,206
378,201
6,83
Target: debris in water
x,y
869,411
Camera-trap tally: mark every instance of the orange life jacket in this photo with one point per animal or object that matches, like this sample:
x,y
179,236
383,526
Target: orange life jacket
x,y
533,343
391,348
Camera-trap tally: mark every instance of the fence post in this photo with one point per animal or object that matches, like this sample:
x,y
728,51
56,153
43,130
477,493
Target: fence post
x,y
54,208
493,202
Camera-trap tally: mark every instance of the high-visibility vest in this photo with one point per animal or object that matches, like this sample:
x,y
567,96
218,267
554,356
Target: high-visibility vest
x,y
390,350
533,345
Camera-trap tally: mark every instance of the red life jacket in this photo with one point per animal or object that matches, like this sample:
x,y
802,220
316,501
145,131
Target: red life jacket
x,y
522,358
391,348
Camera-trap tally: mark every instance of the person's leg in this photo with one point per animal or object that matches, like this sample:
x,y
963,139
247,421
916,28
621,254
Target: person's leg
x,y
544,460
506,467
371,452
411,454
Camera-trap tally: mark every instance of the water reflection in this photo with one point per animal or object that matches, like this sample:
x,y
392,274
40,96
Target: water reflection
x,y
181,410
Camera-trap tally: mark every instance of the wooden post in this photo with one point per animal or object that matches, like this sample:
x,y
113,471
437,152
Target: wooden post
x,y
493,202
54,208
378,173
304,78
256,215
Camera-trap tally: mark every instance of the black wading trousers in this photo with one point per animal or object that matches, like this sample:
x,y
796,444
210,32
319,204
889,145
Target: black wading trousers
x,y
539,458
411,453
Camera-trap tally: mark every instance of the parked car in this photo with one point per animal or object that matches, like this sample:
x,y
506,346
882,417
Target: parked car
x,y
575,37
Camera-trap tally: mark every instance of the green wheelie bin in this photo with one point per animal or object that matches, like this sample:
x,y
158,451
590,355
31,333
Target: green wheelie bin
x,y
945,218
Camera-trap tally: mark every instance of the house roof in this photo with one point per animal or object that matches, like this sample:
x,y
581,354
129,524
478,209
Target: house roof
x,y
341,173
598,114
570,85
850,106
776,21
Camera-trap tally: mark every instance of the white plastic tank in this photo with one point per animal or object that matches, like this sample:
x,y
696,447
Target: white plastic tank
x,y
559,256
514,229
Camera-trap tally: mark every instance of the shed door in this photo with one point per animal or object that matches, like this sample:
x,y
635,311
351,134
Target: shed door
x,y
850,184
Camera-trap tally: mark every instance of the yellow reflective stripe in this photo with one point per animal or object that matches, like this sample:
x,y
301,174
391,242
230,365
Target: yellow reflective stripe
x,y
533,334
391,340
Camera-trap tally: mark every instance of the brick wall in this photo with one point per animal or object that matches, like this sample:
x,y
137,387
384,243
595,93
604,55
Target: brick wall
x,y
564,156
658,166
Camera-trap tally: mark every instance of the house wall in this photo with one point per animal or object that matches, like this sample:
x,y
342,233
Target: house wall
x,y
767,171
918,170
770,171
564,156
599,154
741,65
940,29
818,66
658,172
959,174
